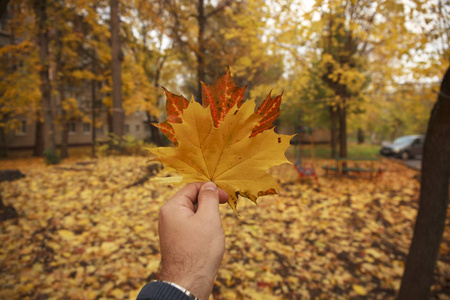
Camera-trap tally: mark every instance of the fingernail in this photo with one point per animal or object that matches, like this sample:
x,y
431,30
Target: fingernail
x,y
210,186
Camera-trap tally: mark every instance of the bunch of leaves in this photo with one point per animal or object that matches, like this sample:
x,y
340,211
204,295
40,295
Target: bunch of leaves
x,y
224,140
80,212
74,239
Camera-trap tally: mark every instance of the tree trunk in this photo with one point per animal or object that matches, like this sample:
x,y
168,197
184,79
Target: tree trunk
x,y
154,131
64,153
360,136
333,133
94,113
201,49
3,7
3,148
423,253
116,72
64,150
39,145
40,9
343,129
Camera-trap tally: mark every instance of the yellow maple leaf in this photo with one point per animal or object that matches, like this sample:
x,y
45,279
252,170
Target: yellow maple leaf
x,y
226,150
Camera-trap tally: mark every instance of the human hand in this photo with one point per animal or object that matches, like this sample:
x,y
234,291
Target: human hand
x,y
191,237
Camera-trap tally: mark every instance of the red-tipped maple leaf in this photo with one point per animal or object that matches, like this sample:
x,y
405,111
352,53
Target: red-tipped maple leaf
x,y
225,140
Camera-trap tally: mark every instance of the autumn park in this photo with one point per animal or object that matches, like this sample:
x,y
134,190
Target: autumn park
x,y
325,123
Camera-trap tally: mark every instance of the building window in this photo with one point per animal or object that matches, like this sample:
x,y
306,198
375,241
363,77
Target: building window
x,y
22,129
86,128
99,130
127,128
72,127
147,127
138,127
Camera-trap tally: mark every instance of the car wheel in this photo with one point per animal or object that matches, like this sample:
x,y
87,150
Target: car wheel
x,y
405,155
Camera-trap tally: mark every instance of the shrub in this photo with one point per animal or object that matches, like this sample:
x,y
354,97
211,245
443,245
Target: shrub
x,y
127,145
51,157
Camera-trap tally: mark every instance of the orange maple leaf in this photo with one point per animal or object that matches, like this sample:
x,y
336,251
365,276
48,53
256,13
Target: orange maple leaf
x,y
230,143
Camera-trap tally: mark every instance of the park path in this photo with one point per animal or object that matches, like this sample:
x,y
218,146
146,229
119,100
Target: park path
x,y
415,164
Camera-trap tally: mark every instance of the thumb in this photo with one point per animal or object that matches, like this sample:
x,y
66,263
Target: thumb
x,y
208,200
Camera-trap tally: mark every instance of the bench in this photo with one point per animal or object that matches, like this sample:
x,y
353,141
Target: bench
x,y
345,165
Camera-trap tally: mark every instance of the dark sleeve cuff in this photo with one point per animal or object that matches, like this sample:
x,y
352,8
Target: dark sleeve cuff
x,y
158,290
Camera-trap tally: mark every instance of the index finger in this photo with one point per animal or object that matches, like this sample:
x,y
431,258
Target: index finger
x,y
185,197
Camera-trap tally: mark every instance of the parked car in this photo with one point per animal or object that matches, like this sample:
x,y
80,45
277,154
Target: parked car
x,y
404,147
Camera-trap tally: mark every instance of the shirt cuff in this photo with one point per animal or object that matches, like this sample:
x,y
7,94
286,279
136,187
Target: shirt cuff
x,y
159,290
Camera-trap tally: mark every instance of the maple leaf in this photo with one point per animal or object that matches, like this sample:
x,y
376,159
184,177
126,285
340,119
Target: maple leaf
x,y
229,143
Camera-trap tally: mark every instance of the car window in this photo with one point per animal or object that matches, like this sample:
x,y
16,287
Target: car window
x,y
417,142
403,140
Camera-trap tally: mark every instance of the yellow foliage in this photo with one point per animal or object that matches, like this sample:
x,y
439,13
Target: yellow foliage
x,y
138,91
19,86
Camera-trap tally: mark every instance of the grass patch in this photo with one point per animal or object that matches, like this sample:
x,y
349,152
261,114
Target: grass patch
x,y
74,151
324,151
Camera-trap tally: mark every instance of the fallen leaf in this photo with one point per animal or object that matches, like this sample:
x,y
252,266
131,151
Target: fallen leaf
x,y
66,234
360,290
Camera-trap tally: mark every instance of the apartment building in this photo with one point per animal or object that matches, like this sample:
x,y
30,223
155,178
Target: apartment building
x,y
80,131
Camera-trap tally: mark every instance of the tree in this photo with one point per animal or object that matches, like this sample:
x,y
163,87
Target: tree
x,y
357,45
19,66
433,202
44,122
91,42
75,48
19,87
432,21
3,7
213,35
194,41
346,47
66,57
249,48
59,47
147,50
79,52
116,71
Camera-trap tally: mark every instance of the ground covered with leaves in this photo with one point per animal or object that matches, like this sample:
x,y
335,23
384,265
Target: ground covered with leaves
x,y
88,230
